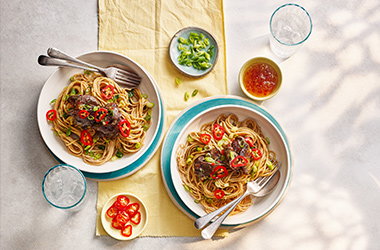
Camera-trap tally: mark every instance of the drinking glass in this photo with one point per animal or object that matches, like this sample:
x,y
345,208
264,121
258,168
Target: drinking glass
x,y
290,26
64,187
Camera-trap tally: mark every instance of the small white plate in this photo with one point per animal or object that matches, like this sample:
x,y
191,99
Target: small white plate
x,y
174,52
136,229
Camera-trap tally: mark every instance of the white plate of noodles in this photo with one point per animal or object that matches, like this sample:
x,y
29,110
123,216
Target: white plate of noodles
x,y
197,185
104,129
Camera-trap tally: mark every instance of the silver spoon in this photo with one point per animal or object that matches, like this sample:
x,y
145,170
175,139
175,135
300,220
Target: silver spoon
x,y
209,231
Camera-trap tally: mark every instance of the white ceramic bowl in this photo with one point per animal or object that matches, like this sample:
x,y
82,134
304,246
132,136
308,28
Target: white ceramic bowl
x,y
129,163
208,110
136,229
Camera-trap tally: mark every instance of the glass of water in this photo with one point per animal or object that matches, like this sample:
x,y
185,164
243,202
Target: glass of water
x,y
64,187
290,26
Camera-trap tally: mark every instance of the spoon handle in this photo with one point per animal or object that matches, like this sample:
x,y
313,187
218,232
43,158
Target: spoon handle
x,y
48,61
56,53
204,220
210,230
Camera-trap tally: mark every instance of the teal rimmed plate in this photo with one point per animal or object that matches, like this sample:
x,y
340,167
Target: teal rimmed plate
x,y
207,110
174,53
110,170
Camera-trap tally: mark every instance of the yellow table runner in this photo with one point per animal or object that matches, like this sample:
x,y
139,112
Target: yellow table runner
x,y
142,30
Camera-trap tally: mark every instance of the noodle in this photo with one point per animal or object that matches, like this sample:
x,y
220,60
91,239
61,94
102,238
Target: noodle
x,y
198,161
129,104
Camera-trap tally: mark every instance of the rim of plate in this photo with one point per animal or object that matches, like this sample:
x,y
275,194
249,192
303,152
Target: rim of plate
x,y
150,149
166,157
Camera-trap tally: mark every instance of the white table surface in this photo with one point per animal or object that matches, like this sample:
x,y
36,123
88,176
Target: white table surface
x,y
329,107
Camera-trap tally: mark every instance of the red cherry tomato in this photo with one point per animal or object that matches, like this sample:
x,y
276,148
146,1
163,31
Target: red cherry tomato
x,y
112,212
136,218
127,231
123,200
217,132
205,138
219,194
51,115
86,138
125,128
132,209
83,114
107,92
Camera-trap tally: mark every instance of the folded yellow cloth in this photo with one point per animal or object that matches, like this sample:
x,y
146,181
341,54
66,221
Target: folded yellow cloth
x,y
142,30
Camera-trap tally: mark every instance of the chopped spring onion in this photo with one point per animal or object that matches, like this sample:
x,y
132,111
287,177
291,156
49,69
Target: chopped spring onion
x,y
186,188
119,154
87,147
189,138
187,96
270,165
72,79
87,72
138,145
53,101
189,161
145,127
209,159
177,81
150,105
195,92
102,147
68,132
195,51
199,149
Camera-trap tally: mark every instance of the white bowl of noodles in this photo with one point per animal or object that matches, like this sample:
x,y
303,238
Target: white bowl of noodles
x,y
191,120
112,169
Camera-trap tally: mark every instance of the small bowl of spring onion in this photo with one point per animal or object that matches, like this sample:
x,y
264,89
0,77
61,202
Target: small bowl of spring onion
x,y
193,51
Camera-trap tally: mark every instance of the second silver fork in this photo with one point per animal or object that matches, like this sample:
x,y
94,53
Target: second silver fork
x,y
253,187
120,76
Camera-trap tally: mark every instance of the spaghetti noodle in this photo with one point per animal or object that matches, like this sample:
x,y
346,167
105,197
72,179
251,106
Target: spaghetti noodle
x,y
98,120
216,163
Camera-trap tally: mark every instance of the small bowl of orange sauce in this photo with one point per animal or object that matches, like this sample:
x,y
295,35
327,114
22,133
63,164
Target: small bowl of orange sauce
x,y
260,78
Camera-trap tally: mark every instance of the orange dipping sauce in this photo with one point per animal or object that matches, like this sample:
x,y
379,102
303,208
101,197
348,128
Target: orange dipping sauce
x,y
260,79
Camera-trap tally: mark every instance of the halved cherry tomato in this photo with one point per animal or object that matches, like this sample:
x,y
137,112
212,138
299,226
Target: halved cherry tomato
x,y
127,231
256,154
123,200
122,218
239,161
136,218
112,212
86,138
125,128
218,132
249,141
132,209
115,224
205,138
100,114
119,206
83,114
219,172
219,194
51,115
107,92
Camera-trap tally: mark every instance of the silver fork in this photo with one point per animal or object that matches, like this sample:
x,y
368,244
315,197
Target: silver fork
x,y
120,76
253,187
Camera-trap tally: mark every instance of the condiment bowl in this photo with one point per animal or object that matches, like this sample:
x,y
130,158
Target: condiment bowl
x,y
136,229
258,60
